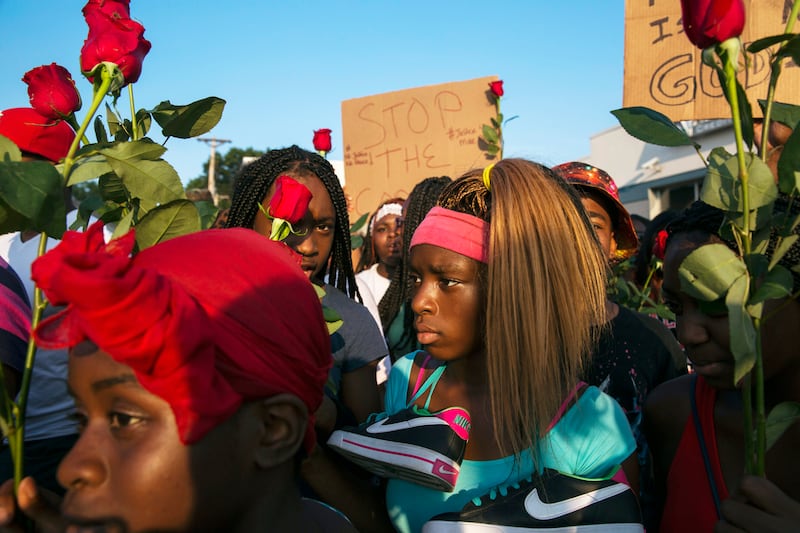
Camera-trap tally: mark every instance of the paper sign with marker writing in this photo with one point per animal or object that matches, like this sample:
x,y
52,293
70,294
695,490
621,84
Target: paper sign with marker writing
x,y
394,140
665,72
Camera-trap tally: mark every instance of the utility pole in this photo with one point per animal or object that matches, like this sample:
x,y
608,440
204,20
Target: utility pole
x,y
212,165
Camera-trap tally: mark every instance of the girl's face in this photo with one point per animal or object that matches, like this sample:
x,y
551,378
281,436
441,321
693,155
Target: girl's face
x,y
602,224
447,300
387,238
316,229
129,463
704,330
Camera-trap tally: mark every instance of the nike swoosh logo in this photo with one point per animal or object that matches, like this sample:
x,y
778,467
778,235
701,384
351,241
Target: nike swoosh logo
x,y
384,426
548,511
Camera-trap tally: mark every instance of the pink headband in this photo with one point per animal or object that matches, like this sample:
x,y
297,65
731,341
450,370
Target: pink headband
x,y
459,232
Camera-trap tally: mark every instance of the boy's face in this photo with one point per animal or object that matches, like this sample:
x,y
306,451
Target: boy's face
x,y
603,225
129,464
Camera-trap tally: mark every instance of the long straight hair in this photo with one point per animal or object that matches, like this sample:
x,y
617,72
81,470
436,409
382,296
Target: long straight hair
x,y
545,293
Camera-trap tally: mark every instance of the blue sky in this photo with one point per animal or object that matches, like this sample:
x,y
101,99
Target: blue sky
x,y
285,67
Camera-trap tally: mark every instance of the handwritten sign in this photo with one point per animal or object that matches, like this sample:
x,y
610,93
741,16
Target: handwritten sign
x,y
394,140
665,72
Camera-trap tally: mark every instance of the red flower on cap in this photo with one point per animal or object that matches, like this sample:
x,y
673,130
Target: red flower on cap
x,y
290,201
322,140
114,38
52,91
710,22
660,244
36,134
497,88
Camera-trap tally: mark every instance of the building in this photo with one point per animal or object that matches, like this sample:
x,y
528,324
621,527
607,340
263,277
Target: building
x,y
653,179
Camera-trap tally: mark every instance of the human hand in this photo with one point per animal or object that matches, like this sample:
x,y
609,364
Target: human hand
x,y
759,506
40,506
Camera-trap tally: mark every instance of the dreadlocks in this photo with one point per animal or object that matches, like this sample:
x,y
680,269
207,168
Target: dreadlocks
x,y
422,198
254,182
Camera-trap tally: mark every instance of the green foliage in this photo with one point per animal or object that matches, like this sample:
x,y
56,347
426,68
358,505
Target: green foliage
x,y
167,221
708,271
356,240
31,198
780,418
652,127
723,189
789,164
192,120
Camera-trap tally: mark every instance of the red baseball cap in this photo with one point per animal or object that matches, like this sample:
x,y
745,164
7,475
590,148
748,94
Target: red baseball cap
x,y
588,178
34,133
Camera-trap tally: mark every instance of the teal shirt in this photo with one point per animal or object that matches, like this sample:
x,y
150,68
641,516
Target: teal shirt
x,y
591,440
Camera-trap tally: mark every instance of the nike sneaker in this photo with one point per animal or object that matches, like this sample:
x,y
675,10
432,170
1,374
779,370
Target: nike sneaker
x,y
550,502
414,444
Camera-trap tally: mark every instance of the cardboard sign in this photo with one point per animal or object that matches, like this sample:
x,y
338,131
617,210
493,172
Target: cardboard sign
x,y
392,141
664,71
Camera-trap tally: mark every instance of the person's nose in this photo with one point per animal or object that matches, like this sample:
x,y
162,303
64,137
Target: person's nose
x,y
423,300
84,465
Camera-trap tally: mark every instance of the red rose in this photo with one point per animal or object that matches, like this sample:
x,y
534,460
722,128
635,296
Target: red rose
x,y
116,39
497,88
660,244
290,201
52,91
710,22
117,9
322,140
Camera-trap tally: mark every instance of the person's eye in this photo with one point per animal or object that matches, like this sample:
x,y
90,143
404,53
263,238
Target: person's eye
x,y
124,420
449,283
416,280
324,228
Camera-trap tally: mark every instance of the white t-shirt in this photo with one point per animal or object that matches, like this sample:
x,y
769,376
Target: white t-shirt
x,y
372,287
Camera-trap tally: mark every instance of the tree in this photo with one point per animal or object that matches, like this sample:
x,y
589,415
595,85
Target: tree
x,y
228,166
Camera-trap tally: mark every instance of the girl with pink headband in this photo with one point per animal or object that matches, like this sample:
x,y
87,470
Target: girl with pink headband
x,y
508,288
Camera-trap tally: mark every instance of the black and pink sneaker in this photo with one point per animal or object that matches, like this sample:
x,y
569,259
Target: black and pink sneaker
x,y
414,445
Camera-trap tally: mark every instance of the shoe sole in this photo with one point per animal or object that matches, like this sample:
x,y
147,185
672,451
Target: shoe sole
x,y
470,527
402,461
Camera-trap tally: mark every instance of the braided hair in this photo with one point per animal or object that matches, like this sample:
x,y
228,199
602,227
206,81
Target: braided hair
x,y
421,200
253,184
705,218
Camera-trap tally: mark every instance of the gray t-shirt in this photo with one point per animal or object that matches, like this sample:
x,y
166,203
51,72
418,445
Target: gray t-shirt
x,y
359,341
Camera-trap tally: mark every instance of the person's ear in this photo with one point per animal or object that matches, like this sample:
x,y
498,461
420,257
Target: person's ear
x,y
612,246
283,420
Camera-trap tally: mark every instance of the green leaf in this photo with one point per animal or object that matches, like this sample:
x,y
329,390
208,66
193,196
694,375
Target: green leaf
x,y
358,224
190,120
88,206
777,283
124,225
788,114
113,122
110,212
166,222
652,127
789,164
208,213
8,150
143,174
784,245
791,49
33,198
143,121
779,419
356,241
490,134
742,330
88,168
766,42
492,149
100,130
112,189
708,271
722,187
746,115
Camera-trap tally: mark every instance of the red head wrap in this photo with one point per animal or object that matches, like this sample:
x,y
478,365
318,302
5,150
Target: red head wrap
x,y
200,329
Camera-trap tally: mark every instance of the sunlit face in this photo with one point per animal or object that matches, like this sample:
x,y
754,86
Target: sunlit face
x,y
387,238
602,224
314,241
703,328
129,463
448,302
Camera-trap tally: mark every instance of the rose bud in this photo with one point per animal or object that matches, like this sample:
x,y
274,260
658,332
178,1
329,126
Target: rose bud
x,y
322,140
290,201
497,88
710,22
114,40
52,91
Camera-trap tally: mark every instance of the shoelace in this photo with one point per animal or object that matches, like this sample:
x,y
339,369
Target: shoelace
x,y
502,490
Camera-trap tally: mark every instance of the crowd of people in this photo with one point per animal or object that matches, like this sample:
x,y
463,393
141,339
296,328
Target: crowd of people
x,y
481,377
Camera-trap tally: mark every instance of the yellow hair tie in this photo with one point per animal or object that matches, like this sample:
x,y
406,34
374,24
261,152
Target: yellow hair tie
x,y
486,172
